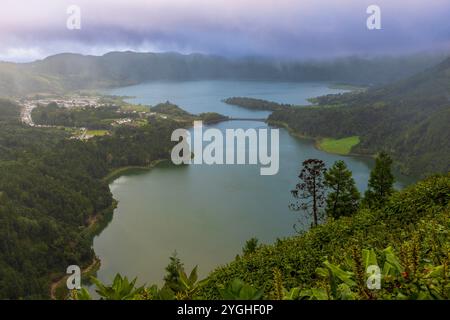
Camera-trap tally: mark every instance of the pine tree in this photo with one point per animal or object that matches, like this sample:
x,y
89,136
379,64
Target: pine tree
x,y
343,200
172,272
250,246
310,191
381,182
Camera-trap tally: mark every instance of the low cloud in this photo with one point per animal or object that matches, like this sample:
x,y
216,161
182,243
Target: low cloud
x,y
31,29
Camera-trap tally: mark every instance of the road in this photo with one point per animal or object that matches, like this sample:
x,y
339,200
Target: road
x,y
25,114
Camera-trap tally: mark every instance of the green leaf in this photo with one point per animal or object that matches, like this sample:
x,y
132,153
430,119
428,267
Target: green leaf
x,y
193,276
183,278
83,294
436,272
392,259
319,294
369,258
293,294
238,290
345,293
344,276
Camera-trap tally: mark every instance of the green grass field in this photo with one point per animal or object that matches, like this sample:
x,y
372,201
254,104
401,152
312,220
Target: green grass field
x,y
135,107
338,146
140,122
97,133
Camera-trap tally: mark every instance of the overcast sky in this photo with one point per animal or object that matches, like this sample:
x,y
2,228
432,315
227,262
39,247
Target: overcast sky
x,y
32,29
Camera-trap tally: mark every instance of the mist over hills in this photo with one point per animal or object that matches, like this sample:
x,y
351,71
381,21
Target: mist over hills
x,y
67,71
406,110
408,118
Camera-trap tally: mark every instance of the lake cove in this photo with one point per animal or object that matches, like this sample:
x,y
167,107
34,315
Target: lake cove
x,y
207,212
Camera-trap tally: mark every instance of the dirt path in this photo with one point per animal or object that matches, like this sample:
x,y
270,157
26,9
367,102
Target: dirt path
x,y
61,282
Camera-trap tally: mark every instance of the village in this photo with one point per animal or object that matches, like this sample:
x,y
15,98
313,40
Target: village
x,y
130,112
70,102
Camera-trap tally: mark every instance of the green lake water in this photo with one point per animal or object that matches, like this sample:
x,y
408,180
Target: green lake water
x,y
206,213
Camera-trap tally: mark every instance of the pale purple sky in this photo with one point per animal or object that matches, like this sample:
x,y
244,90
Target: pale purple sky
x,y
32,29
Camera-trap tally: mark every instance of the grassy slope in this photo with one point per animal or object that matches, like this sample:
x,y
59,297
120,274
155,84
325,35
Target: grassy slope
x,y
97,132
338,146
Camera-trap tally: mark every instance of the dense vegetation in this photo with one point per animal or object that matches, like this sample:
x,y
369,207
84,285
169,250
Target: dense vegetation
x,y
212,117
179,114
52,189
170,109
409,119
105,117
68,72
255,104
87,117
418,216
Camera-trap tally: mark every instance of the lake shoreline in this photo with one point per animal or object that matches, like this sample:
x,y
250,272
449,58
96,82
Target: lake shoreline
x,y
117,173
316,141
96,225
57,290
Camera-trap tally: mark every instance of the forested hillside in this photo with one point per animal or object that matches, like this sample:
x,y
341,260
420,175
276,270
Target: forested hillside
x,y
52,190
63,72
409,119
255,104
413,226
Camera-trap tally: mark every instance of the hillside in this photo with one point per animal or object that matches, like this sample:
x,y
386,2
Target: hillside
x,y
409,119
414,219
68,71
406,240
52,188
255,104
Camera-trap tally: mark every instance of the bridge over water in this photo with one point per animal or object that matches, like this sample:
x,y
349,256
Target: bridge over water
x,y
248,119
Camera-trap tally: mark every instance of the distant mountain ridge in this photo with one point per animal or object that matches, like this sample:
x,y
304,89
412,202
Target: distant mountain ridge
x,y
68,71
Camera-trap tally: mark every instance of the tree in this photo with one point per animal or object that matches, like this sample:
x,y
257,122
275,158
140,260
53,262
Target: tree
x,y
250,246
310,191
381,182
171,278
343,200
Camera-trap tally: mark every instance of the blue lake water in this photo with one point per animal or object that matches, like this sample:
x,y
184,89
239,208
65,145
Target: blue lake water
x,y
206,96
206,213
